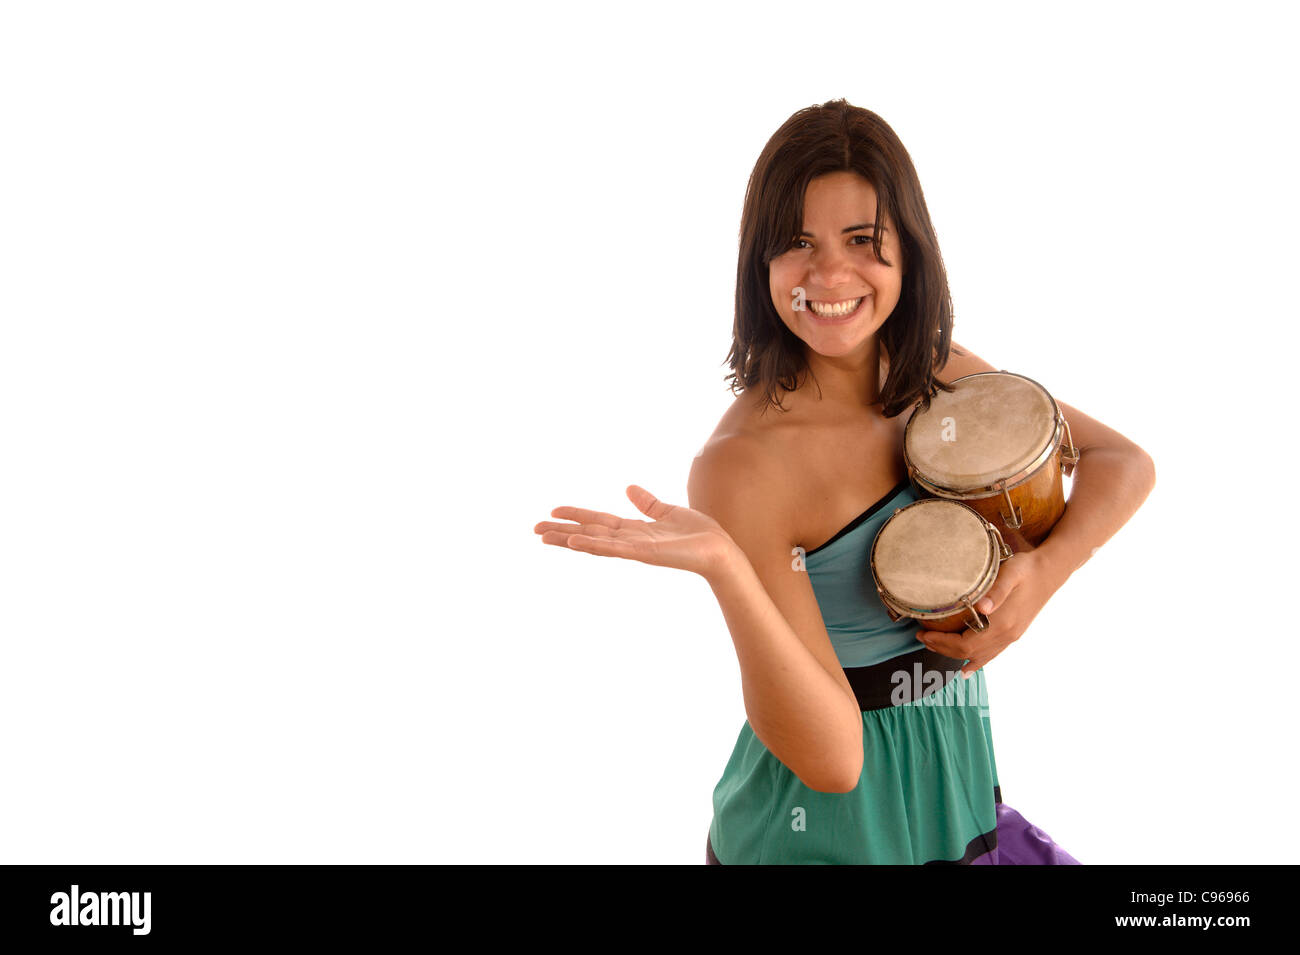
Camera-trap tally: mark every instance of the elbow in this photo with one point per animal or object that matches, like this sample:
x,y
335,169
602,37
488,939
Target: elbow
x,y
1139,467
1148,466
841,770
843,778
840,787
845,783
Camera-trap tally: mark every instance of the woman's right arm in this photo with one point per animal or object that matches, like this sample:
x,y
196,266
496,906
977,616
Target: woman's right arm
x,y
797,698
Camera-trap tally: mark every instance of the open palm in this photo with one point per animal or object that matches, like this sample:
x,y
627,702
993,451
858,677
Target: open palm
x,y
674,537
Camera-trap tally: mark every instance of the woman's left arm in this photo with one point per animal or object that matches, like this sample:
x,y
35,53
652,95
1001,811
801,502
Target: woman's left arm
x,y
1110,481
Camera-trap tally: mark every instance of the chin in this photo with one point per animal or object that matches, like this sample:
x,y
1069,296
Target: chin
x,y
839,349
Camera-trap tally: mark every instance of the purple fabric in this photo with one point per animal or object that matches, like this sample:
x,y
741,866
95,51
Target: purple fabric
x,y
1021,843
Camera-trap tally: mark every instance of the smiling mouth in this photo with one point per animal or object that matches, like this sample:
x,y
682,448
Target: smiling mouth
x,y
836,309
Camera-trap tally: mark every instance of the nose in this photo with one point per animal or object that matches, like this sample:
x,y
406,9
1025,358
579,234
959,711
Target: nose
x,y
829,266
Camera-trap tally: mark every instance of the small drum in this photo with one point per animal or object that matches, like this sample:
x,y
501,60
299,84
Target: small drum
x,y
933,560
999,444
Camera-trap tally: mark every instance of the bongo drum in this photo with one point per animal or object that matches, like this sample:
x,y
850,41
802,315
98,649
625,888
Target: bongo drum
x,y
998,443
933,560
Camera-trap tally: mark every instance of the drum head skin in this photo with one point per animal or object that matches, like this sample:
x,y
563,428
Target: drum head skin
x,y
991,427
931,554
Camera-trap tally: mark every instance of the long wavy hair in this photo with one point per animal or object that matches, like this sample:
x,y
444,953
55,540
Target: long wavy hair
x,y
917,336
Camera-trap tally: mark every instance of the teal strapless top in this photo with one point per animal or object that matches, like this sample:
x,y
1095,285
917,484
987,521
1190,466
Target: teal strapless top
x,y
840,571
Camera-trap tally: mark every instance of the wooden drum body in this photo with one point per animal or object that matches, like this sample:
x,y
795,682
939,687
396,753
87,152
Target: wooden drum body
x,y
933,560
999,444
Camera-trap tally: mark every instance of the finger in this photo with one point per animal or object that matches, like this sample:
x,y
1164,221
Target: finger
x,y
947,644
557,538
584,516
991,600
562,533
974,645
592,530
994,635
647,503
607,546
999,592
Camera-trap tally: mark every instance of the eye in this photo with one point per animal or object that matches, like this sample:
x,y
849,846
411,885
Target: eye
x,y
866,237
795,243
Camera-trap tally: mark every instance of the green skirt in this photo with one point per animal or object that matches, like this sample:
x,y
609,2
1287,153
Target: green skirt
x,y
927,792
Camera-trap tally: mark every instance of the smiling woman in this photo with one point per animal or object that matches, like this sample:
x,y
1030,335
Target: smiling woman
x,y
834,212
860,746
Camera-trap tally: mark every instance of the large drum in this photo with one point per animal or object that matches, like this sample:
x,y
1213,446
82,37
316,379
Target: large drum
x,y
933,560
999,443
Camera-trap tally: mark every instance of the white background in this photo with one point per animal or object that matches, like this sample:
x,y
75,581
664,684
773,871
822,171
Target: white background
x,y
311,312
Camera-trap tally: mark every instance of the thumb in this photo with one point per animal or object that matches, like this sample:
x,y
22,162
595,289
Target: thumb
x,y
646,502
992,600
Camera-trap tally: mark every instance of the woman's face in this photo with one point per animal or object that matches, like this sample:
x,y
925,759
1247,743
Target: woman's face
x,y
847,293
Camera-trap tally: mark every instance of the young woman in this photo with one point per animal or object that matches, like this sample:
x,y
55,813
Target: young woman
x,y
843,323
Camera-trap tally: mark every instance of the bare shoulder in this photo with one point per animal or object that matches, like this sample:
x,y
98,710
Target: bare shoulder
x,y
961,362
738,478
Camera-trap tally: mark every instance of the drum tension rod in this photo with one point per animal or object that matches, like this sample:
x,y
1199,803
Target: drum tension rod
x,y
980,623
1004,552
1013,521
1069,454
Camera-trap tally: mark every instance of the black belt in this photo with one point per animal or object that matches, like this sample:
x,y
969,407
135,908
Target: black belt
x,y
902,679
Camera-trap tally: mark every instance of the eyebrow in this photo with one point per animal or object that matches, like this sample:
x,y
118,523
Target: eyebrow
x,y
848,229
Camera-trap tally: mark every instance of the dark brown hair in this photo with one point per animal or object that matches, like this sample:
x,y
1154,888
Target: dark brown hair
x,y
917,336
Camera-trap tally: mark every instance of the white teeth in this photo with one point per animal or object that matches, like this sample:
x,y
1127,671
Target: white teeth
x,y
831,311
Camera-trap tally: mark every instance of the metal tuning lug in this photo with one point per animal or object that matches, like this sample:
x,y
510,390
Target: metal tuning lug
x,y
1013,521
979,622
1069,453
1004,552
